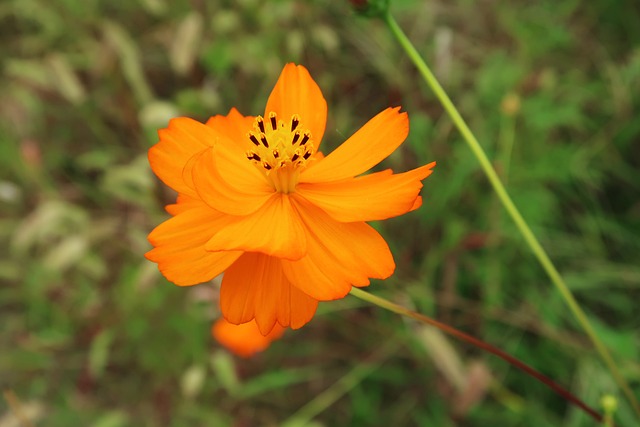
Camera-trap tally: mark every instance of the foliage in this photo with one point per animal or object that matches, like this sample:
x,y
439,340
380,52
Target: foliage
x,y
93,335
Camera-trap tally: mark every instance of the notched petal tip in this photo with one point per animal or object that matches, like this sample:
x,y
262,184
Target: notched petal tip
x,y
371,144
255,287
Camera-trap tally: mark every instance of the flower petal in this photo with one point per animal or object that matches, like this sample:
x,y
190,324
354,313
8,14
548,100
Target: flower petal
x,y
245,340
274,229
372,197
297,93
180,141
183,203
179,247
255,287
339,255
372,143
234,126
227,182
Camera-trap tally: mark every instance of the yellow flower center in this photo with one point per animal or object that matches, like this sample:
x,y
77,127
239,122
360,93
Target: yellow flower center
x,y
280,150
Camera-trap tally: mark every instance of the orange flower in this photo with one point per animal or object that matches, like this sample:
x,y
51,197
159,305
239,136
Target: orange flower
x,y
258,201
246,339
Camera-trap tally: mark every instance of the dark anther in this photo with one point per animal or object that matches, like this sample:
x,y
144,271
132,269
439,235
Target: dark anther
x,y
254,139
296,137
260,124
253,156
305,138
263,138
295,157
276,154
307,155
274,123
267,166
294,123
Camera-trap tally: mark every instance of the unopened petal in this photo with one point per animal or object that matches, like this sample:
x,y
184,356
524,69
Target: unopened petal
x,y
297,93
245,340
179,247
372,143
274,229
255,287
372,197
339,255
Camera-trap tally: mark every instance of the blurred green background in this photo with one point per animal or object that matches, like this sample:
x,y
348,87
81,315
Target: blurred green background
x,y
92,335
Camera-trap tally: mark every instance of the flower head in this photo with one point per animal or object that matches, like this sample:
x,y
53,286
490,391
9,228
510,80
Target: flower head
x,y
245,340
258,201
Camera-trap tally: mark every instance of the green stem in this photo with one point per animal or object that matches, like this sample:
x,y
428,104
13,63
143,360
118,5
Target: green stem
x,y
508,204
388,305
325,399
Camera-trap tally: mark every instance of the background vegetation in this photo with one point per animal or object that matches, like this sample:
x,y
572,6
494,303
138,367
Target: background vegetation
x,y
92,335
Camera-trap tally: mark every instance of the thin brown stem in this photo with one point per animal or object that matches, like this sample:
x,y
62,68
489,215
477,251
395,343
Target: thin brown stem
x,y
386,304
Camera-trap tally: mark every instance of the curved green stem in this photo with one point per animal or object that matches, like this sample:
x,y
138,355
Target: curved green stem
x,y
513,211
388,305
325,399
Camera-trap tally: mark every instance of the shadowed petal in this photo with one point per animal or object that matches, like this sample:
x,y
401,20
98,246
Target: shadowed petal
x,y
255,287
297,93
339,255
179,247
372,197
372,143
274,229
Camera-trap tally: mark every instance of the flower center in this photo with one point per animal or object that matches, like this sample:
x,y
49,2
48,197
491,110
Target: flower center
x,y
280,149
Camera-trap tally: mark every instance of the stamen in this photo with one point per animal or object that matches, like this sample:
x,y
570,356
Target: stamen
x,y
274,122
280,149
296,137
260,122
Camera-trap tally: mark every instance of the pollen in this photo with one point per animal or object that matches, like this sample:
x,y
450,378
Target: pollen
x,y
280,148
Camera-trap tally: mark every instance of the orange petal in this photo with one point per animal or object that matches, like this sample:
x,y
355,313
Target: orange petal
x,y
274,229
297,93
179,247
416,204
180,141
372,197
372,143
245,340
339,255
227,182
234,126
255,287
182,204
